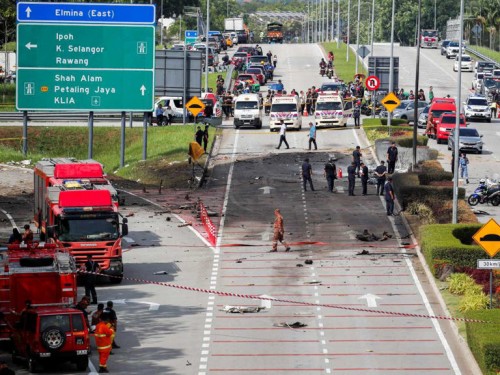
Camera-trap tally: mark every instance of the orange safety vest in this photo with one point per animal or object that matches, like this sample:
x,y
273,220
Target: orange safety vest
x,y
104,336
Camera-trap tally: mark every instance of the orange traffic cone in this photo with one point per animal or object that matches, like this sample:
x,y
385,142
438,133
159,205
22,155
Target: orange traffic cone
x,y
305,112
339,174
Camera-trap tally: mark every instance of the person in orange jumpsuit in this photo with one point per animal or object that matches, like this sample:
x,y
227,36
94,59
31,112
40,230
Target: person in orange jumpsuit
x,y
279,231
104,335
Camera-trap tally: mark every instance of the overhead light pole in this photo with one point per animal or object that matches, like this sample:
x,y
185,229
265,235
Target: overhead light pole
x,y
415,104
391,65
348,39
357,35
372,30
206,46
327,30
454,218
338,23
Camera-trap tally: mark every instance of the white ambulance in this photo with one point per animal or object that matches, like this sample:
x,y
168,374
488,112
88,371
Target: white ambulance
x,y
248,111
332,110
286,108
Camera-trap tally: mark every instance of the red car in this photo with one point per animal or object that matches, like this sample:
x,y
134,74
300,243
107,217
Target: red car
x,y
249,78
258,73
447,122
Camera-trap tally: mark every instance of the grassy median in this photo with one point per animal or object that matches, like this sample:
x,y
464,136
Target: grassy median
x,y
167,149
344,69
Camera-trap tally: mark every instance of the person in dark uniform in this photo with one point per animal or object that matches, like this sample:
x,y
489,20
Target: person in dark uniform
x,y
389,196
113,319
381,172
205,137
307,174
356,113
330,174
392,158
199,135
364,178
90,278
356,158
351,177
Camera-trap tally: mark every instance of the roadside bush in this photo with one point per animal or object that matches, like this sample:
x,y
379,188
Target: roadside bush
x,y
484,340
459,283
428,177
440,246
431,166
422,211
473,301
407,141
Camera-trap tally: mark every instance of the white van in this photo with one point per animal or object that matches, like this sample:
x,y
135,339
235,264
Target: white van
x,y
248,111
332,110
173,106
286,108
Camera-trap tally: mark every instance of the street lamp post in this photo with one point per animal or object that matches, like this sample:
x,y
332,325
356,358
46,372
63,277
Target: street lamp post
x,y
327,36
435,14
357,35
161,24
372,31
333,21
457,121
348,39
206,45
338,23
391,66
415,104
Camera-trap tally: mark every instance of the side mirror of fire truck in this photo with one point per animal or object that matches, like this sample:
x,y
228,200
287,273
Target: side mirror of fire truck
x,y
124,226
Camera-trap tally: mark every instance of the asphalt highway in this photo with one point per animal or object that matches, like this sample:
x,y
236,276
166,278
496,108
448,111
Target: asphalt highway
x,y
339,326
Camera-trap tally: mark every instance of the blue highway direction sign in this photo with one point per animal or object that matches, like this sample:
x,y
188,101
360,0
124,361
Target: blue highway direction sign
x,y
86,13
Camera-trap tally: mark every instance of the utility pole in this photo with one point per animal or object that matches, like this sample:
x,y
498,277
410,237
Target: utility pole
x,y
357,36
391,66
348,27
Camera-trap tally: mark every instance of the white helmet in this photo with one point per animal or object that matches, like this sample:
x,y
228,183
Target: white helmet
x,y
482,181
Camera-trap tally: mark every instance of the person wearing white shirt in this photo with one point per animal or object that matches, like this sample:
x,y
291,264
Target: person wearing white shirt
x,y
283,135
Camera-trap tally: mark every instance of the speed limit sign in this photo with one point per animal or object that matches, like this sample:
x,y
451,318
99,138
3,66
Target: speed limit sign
x,y
372,83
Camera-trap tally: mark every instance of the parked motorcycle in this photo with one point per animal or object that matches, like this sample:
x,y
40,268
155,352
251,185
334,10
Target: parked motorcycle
x,y
329,73
322,72
488,191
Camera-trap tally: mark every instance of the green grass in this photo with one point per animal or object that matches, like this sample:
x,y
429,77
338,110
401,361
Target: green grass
x,y
167,148
452,301
487,52
344,69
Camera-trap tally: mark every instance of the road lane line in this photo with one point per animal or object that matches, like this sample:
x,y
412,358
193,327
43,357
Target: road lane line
x,y
428,307
9,216
204,355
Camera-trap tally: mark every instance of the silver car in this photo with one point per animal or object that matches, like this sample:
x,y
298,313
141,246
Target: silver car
x,y
468,140
422,119
405,110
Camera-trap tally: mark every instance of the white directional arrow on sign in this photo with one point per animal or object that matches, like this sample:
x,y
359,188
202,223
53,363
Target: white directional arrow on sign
x,y
30,46
266,189
143,90
28,12
371,299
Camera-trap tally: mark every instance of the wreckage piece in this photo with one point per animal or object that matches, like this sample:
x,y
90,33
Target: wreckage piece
x,y
242,309
290,325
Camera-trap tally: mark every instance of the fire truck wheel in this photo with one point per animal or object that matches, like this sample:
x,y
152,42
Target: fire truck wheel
x,y
53,338
15,358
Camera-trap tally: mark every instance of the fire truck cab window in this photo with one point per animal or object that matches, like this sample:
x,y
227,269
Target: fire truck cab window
x,y
100,228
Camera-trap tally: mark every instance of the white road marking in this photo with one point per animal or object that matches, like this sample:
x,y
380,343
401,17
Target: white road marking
x,y
371,299
11,219
128,239
206,334
428,307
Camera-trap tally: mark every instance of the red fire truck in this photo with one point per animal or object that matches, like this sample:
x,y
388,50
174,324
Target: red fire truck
x,y
45,328
77,207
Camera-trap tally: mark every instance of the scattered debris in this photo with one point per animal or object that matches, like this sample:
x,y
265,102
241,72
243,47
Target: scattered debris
x,y
299,265
405,243
185,224
168,218
160,273
188,363
366,236
129,214
314,282
290,325
363,252
308,261
25,162
242,309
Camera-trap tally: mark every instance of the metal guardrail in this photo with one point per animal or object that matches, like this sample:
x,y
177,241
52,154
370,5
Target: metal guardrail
x,y
67,116
481,56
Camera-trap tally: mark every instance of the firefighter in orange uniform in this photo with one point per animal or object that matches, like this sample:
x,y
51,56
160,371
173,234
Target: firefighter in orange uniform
x,y
104,335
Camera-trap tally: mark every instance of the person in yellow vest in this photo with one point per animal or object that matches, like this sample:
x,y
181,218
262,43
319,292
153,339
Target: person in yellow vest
x,y
104,334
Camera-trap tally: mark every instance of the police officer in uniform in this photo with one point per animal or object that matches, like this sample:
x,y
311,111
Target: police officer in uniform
x,y
364,178
330,174
351,177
